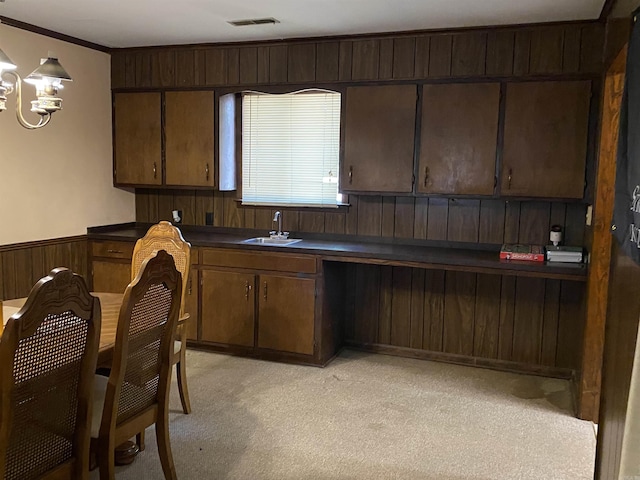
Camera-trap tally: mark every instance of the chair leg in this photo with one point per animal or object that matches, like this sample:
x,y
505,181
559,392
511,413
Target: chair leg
x,y
164,446
181,370
106,459
140,440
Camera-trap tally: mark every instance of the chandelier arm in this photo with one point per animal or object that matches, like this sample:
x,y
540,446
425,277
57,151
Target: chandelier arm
x,y
21,120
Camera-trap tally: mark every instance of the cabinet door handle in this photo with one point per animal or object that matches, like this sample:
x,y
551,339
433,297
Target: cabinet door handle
x,y
350,174
426,175
206,171
114,251
509,179
190,285
265,290
247,289
155,170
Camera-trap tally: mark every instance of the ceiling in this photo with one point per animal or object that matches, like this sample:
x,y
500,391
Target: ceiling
x,y
131,23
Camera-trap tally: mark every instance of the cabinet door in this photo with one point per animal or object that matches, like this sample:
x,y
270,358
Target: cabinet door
x,y
379,139
111,277
545,139
189,133
191,305
137,138
459,134
286,313
228,312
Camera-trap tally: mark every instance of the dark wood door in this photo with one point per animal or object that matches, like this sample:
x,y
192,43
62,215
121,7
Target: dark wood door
x,y
286,313
459,134
137,138
189,134
228,307
110,277
545,139
191,304
379,139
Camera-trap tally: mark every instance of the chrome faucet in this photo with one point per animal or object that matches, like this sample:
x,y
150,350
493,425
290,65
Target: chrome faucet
x,y
277,217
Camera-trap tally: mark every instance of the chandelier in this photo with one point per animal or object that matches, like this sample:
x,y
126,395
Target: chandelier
x,y
47,79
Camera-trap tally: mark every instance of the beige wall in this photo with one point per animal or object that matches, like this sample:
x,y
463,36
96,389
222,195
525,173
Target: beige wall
x,y
57,181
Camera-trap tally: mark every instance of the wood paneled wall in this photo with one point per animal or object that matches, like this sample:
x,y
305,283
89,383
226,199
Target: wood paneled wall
x,y
485,319
460,220
22,265
547,50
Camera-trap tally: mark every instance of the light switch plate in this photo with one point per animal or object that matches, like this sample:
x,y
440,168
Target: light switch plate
x,y
589,215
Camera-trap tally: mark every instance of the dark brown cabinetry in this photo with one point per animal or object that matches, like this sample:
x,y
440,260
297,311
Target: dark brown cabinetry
x,y
110,265
137,138
379,139
545,139
459,133
249,293
189,137
228,307
286,307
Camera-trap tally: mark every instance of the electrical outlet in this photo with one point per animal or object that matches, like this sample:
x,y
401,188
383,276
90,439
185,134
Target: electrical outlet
x,y
589,218
208,218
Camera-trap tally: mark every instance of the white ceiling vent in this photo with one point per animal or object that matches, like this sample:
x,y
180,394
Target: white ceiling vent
x,y
254,21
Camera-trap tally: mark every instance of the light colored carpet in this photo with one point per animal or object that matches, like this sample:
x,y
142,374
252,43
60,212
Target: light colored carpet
x,y
368,417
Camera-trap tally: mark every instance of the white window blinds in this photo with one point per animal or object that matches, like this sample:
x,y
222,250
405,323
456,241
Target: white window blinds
x,y
290,148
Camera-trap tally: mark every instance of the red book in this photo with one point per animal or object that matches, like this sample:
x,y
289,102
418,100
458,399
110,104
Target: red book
x,y
534,253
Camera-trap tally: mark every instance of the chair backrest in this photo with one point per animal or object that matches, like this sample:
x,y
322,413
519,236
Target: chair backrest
x,y
48,354
164,236
141,369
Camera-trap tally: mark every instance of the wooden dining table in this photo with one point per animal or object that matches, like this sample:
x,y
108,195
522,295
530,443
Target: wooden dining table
x,y
110,306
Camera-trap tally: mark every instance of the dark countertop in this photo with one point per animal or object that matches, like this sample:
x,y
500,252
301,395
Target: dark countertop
x,y
481,258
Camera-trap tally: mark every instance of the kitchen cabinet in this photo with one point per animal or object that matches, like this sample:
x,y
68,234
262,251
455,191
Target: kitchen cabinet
x,y
459,132
379,126
110,265
545,139
286,308
228,307
263,295
185,125
191,303
137,138
189,138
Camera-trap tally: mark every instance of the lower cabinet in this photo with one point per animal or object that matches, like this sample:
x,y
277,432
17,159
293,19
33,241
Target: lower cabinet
x,y
286,307
191,303
228,307
110,265
245,303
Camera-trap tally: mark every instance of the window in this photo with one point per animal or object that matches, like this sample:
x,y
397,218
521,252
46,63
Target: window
x,y
291,148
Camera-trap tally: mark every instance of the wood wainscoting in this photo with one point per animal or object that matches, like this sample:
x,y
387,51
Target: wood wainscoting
x,y
512,323
23,264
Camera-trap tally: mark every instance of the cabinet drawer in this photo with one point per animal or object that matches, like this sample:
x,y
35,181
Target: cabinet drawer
x,y
111,249
278,262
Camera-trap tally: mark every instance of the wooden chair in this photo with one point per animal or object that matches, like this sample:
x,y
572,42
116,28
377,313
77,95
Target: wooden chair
x,y
48,354
164,236
136,393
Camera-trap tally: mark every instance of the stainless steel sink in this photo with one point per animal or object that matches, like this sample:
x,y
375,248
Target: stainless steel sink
x,y
272,241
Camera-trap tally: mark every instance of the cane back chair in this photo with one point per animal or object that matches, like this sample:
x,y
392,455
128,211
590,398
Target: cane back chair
x,y
48,354
165,236
136,393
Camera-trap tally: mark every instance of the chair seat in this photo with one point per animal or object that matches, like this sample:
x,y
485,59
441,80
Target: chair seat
x,y
99,391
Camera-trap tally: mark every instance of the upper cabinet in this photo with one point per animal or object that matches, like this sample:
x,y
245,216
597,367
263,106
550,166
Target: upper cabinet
x,y
137,138
189,132
545,139
459,132
187,123
379,127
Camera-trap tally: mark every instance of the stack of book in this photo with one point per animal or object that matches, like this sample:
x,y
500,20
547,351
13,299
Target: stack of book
x,y
564,254
533,253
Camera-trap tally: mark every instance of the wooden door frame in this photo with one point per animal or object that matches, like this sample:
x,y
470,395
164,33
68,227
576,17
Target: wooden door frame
x,y
598,281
